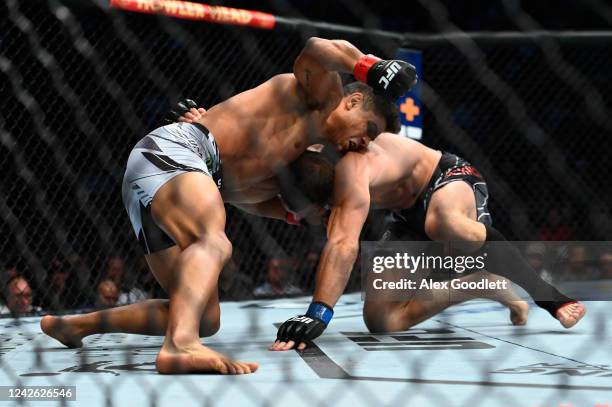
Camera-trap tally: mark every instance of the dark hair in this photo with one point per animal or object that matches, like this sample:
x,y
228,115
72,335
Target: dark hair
x,y
309,180
378,103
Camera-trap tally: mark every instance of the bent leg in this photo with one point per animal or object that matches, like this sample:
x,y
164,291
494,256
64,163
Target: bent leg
x,y
162,265
451,216
145,318
519,309
148,317
390,316
394,316
189,208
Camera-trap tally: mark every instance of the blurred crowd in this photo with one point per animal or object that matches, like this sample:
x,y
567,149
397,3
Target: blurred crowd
x,y
65,283
579,261
69,284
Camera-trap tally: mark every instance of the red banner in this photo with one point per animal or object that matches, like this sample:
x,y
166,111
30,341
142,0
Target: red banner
x,y
198,11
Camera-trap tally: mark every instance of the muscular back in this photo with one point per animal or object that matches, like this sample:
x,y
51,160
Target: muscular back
x,y
400,169
259,131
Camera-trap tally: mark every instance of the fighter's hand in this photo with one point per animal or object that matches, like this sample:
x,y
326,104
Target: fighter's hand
x,y
391,78
304,328
185,111
297,331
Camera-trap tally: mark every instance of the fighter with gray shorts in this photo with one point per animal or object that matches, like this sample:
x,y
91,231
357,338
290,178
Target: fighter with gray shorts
x,y
157,158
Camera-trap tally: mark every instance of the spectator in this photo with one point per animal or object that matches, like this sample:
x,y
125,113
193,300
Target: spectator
x,y
8,273
146,281
115,267
578,266
129,292
555,228
18,295
277,283
80,280
605,265
309,265
234,285
59,292
307,268
536,256
107,294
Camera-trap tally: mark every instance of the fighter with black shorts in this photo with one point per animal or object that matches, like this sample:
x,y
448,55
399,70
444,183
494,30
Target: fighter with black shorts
x,y
409,224
439,196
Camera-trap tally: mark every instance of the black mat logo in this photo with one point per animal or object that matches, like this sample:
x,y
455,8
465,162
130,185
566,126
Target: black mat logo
x,y
549,369
415,339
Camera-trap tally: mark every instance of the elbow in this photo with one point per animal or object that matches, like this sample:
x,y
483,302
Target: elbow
x,y
314,43
311,50
315,47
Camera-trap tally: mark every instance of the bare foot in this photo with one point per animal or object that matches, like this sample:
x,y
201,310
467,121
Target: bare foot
x,y
569,314
519,312
61,330
199,359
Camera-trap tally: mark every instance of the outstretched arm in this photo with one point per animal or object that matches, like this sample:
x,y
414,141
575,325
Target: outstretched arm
x,y
343,229
351,206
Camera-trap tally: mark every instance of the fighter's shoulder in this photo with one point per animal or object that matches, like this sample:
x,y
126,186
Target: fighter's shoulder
x,y
377,153
354,163
386,139
393,141
352,179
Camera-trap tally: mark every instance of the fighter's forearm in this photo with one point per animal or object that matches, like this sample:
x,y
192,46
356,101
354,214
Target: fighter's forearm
x,y
333,55
334,271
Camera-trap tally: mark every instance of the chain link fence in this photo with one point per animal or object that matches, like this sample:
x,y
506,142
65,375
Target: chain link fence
x,y
538,126
81,84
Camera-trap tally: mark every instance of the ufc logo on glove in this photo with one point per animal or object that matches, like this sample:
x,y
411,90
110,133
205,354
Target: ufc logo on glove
x,y
392,70
303,319
390,78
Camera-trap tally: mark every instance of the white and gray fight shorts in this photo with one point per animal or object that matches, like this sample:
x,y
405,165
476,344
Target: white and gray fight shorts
x,y
160,156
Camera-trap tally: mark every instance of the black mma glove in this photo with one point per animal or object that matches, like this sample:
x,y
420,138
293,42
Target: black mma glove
x,y
305,328
390,78
179,110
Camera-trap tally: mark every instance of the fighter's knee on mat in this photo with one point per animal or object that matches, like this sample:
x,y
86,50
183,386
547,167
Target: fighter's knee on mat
x,y
375,324
385,320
